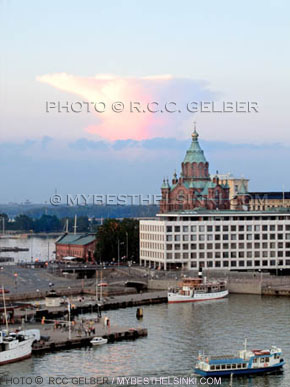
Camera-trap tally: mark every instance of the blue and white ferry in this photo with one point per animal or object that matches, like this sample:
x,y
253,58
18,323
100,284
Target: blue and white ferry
x,y
246,362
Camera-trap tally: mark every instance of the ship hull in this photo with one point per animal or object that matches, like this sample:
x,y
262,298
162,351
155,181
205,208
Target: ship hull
x,y
249,371
21,352
177,298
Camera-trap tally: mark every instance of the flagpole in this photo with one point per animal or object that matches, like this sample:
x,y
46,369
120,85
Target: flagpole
x,y
4,304
101,289
97,285
69,326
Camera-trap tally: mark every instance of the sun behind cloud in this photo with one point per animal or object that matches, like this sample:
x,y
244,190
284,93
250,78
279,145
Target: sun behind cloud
x,y
135,121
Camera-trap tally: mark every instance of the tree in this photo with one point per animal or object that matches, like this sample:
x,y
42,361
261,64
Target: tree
x,y
47,223
113,231
23,223
83,224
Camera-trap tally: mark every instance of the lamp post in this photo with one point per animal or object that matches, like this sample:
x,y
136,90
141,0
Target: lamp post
x,y
118,252
127,246
69,318
119,243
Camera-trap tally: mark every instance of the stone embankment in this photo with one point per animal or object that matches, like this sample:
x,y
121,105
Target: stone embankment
x,y
238,282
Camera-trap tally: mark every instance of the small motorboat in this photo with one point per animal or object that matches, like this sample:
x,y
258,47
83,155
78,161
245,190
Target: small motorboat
x,y
99,341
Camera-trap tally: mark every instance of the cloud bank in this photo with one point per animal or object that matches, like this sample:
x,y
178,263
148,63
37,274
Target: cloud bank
x,y
133,125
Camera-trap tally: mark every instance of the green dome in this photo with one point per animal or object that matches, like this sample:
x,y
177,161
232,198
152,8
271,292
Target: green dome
x,y
194,153
165,184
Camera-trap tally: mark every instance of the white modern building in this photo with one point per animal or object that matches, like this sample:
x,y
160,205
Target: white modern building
x,y
214,239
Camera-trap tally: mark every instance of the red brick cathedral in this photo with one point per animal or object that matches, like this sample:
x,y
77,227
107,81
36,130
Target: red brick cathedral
x,y
194,188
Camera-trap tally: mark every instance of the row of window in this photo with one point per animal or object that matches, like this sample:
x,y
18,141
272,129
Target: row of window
x,y
240,264
235,264
229,366
228,246
226,255
149,227
152,245
152,237
152,254
224,218
226,237
263,359
218,228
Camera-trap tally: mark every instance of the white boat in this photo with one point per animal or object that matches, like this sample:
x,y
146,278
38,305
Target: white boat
x,y
197,289
14,347
99,341
245,362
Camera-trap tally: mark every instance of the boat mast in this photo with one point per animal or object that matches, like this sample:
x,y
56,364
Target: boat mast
x,y
75,225
245,344
4,304
97,285
69,320
101,287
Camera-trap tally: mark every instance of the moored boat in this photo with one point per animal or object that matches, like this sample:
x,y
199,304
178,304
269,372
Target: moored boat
x,y
245,362
197,289
98,341
14,347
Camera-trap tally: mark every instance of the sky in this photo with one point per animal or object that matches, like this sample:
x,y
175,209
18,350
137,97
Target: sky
x,y
91,55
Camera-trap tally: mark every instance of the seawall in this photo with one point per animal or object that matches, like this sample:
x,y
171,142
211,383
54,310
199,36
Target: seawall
x,y
238,282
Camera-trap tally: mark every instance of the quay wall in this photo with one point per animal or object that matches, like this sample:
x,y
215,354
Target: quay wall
x,y
163,284
235,286
238,282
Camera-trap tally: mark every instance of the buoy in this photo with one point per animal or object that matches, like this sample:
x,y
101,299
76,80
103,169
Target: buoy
x,y
139,313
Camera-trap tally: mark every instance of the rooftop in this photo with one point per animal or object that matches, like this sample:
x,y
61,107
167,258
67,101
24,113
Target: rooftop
x,y
194,154
76,239
270,195
203,211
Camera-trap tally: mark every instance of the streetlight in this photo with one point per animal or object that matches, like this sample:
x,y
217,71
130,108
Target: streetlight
x,y
15,277
127,246
119,250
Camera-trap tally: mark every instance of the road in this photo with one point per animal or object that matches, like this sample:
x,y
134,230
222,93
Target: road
x,y
23,280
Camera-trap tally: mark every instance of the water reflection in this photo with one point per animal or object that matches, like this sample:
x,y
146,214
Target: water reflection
x,y
39,248
176,333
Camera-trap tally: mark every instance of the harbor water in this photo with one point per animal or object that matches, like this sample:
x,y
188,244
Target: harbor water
x,y
176,333
38,248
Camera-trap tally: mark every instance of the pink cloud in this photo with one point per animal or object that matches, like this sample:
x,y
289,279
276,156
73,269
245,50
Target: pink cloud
x,y
129,124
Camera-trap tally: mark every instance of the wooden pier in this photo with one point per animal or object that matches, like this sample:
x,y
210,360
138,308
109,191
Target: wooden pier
x,y
117,302
59,340
13,249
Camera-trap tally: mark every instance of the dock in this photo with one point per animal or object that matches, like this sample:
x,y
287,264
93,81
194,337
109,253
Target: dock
x,y
113,335
93,306
55,336
13,249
